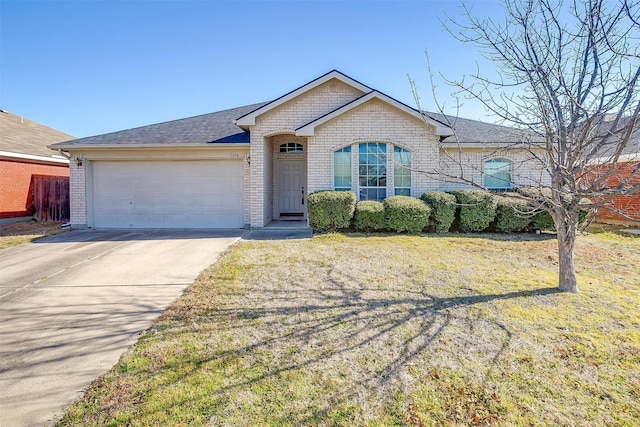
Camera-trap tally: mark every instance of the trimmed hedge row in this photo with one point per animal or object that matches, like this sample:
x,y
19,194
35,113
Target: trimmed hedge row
x,y
404,213
443,209
476,209
369,216
464,210
330,210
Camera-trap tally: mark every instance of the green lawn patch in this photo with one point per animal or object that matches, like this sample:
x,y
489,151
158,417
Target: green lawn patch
x,y
350,330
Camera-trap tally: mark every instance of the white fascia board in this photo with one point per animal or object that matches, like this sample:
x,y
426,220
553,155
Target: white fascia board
x,y
34,158
505,145
79,147
309,128
250,118
624,158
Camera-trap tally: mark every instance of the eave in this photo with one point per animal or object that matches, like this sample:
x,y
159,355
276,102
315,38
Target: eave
x,y
209,146
309,128
32,158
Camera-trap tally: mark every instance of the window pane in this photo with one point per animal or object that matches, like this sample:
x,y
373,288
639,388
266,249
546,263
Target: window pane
x,y
497,174
373,193
372,170
342,168
291,147
401,171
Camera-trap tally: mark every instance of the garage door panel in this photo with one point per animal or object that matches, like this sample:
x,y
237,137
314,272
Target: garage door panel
x,y
181,194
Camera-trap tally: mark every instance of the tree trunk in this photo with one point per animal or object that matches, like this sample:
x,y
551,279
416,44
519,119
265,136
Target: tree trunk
x,y
567,232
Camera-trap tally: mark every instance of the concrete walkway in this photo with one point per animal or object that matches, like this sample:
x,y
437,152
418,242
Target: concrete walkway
x,y
71,304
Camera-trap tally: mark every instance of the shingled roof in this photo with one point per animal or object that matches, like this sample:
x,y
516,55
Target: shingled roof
x,y
476,132
22,136
218,128
209,128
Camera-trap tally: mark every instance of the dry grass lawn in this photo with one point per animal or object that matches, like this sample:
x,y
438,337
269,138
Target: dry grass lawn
x,y
17,233
354,330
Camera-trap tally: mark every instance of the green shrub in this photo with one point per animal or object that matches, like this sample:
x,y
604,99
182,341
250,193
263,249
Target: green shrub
x,y
330,210
511,214
476,211
443,209
543,221
369,216
404,213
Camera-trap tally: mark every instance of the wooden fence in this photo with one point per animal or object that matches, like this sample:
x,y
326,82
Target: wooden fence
x,y
51,198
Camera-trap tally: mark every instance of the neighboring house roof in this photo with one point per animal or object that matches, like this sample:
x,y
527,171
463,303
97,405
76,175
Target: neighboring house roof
x,y
204,129
23,138
632,149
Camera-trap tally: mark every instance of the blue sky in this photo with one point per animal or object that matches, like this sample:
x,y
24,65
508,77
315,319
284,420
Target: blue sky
x,y
91,67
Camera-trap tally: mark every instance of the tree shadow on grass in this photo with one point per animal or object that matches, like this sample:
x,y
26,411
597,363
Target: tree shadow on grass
x,y
370,336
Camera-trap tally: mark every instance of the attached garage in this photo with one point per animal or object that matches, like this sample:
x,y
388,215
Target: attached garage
x,y
166,194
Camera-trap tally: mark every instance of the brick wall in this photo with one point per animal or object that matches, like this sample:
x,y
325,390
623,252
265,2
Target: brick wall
x,y
627,205
15,185
526,171
373,121
284,120
77,193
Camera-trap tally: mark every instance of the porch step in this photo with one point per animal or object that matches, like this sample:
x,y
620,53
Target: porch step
x,y
279,233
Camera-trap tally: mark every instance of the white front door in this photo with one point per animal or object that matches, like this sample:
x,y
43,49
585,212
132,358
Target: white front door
x,y
292,182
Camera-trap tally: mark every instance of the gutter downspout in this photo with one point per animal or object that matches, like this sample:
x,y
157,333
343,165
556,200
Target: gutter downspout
x,y
63,154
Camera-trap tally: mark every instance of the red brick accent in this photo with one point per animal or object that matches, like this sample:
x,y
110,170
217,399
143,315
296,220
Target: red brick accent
x,y
15,185
629,205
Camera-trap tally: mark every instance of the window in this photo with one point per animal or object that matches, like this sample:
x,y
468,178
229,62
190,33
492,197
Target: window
x,y
401,171
342,169
372,171
291,147
497,174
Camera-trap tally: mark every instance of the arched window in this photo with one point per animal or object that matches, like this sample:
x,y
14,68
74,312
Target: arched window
x,y
401,171
291,148
497,174
342,169
372,170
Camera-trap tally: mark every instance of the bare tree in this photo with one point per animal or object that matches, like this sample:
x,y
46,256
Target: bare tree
x,y
568,76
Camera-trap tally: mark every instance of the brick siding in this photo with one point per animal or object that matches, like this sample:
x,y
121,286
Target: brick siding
x,y
526,171
15,185
627,205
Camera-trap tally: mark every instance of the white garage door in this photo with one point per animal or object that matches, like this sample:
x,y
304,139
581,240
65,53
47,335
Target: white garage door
x,y
166,194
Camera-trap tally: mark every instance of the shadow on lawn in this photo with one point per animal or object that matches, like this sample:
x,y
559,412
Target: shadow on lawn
x,y
344,326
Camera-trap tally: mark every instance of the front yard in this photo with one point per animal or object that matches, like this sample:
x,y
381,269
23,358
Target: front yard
x,y
389,330
17,233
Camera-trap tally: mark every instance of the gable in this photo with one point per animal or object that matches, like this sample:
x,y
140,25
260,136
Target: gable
x,y
375,120
305,107
382,103
334,76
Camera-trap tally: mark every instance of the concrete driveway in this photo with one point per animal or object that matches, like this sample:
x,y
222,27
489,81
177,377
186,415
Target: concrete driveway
x,y
71,304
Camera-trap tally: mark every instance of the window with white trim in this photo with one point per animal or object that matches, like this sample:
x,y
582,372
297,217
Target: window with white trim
x,y
497,174
291,148
372,171
342,169
401,172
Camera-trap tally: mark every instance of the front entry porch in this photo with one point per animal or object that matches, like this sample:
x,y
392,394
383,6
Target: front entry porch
x,y
289,195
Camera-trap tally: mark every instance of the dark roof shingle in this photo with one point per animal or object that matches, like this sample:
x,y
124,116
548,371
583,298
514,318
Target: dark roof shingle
x,y
209,128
